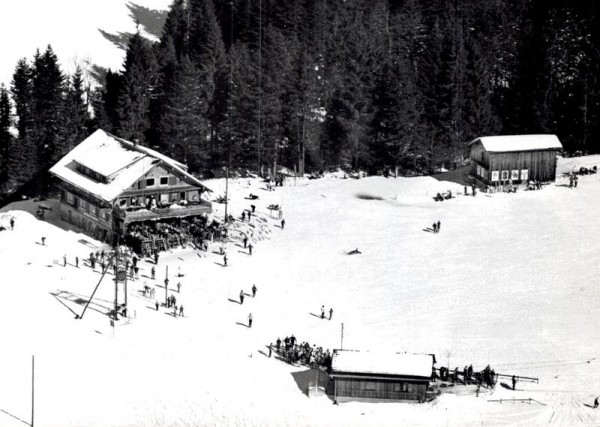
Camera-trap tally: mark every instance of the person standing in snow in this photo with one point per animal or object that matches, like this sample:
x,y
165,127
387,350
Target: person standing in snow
x,y
225,260
181,310
250,320
156,258
12,223
64,260
438,226
77,261
241,296
253,291
434,228
330,313
322,312
514,382
253,210
178,287
156,304
595,402
153,273
282,223
243,216
278,343
270,349
245,241
43,241
250,249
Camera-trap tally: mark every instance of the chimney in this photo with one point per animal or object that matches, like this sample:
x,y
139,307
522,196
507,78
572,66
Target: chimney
x,y
136,142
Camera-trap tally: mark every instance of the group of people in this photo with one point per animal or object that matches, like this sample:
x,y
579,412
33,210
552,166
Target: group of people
x,y
573,180
303,353
443,196
486,377
323,312
436,227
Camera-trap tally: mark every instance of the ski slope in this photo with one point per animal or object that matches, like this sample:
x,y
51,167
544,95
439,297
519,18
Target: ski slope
x,y
509,281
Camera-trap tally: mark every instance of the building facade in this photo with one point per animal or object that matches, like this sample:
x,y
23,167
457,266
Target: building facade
x,y
106,183
514,158
366,376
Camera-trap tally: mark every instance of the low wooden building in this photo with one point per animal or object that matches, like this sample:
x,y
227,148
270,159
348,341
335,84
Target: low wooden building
x,y
368,376
107,183
514,158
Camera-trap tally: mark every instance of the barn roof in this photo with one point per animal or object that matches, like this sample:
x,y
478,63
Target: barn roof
x,y
120,161
511,143
403,364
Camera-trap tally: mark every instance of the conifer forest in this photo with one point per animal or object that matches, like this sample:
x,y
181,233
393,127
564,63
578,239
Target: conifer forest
x,y
316,84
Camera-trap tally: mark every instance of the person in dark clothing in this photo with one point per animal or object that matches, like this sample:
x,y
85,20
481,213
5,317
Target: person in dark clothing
x,y
595,403
181,310
330,313
156,305
243,216
242,296
278,343
253,208
153,273
438,226
270,349
249,216
77,261
250,247
225,260
43,241
250,320
12,223
64,261
514,382
322,312
282,223
156,258
434,228
245,241
253,291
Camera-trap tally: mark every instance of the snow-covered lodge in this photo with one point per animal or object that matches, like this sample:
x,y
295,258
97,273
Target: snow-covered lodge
x,y
107,183
514,158
380,376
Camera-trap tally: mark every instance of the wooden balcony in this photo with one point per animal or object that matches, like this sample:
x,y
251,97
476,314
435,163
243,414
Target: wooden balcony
x,y
132,214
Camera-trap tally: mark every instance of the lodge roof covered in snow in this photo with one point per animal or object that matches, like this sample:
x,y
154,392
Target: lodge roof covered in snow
x,y
512,143
119,163
401,364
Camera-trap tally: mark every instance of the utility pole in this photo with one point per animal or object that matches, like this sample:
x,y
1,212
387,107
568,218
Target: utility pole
x,y
116,260
342,341
32,387
167,286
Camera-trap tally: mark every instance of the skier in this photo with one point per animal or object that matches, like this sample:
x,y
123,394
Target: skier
x,y
249,216
434,228
278,343
77,262
282,223
153,273
253,291
245,241
156,304
250,320
241,296
243,216
12,223
595,403
156,258
250,249
514,381
174,310
438,226
178,287
253,209
330,313
181,311
322,312
270,349
43,241
64,260
225,260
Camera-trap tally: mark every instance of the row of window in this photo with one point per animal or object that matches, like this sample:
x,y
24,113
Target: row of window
x,y
90,173
86,206
163,180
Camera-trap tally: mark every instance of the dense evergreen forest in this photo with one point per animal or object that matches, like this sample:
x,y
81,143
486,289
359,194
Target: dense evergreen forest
x,y
312,84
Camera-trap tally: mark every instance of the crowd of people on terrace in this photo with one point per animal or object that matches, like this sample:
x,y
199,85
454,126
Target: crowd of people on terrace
x,y
303,353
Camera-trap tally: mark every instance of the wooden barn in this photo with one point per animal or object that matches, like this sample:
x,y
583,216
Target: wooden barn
x,y
367,376
107,183
514,158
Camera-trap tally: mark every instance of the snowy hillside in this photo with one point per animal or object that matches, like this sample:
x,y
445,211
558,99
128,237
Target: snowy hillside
x,y
509,281
70,26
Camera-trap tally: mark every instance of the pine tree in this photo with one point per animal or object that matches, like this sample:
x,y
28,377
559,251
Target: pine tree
x,y
75,115
139,84
5,136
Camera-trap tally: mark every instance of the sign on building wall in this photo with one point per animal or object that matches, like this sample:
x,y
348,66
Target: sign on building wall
x,y
514,175
524,175
504,175
495,176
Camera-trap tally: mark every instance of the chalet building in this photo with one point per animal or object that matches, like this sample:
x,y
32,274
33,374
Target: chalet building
x,y
367,376
107,183
514,158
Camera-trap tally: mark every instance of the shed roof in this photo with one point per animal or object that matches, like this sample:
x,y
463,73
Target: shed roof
x,y
404,364
121,161
511,143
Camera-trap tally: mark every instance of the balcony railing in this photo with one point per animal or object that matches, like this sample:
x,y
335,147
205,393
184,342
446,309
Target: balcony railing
x,y
142,214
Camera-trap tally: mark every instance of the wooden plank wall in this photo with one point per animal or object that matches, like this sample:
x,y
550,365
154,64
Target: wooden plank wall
x,y
383,389
541,164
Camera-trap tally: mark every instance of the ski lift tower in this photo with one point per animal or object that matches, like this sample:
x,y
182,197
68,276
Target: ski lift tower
x,y
121,265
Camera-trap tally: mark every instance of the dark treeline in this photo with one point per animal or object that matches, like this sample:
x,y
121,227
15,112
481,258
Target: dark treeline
x,y
310,84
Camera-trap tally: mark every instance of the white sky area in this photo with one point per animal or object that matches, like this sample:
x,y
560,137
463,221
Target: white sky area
x,y
70,26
